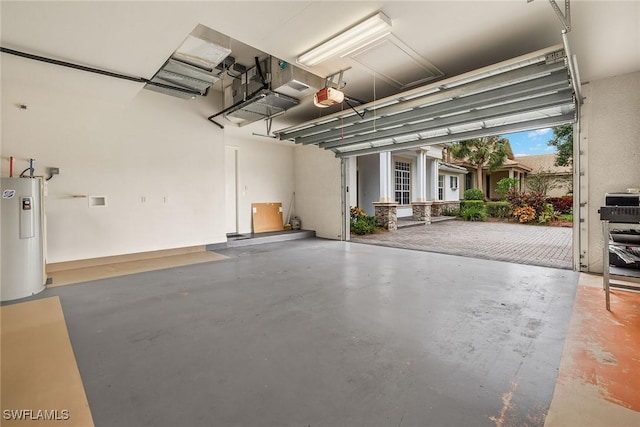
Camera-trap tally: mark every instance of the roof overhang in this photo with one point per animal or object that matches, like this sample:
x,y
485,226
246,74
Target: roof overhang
x,y
452,168
528,92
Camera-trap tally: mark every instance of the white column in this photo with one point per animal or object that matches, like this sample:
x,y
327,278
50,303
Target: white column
x,y
432,179
386,178
420,187
429,179
436,173
510,173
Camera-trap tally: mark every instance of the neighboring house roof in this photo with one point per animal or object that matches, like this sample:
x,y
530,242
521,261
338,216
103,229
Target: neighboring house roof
x,y
514,164
546,163
508,164
451,168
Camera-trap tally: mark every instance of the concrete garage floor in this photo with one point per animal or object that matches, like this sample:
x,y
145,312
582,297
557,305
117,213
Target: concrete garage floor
x,y
322,333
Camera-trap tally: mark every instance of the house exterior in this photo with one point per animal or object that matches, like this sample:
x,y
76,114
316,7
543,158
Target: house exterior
x,y
513,168
450,187
544,164
413,184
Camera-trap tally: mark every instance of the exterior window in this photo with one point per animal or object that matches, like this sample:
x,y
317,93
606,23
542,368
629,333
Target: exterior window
x,y
402,184
440,187
453,182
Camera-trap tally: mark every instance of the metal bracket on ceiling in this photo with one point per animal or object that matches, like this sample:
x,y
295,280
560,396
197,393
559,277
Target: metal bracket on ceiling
x,y
565,17
346,100
329,80
268,122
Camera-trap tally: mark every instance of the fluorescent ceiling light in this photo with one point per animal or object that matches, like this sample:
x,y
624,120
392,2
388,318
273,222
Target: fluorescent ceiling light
x,y
357,36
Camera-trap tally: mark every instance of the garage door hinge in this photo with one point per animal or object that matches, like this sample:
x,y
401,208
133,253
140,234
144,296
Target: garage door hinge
x,y
553,57
583,204
581,219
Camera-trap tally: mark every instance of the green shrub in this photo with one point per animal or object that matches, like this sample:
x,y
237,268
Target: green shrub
x,y
499,209
506,184
473,213
471,203
535,199
473,194
450,211
547,214
532,199
563,204
363,225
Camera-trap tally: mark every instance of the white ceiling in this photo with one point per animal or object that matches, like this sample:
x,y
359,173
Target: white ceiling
x,y
136,38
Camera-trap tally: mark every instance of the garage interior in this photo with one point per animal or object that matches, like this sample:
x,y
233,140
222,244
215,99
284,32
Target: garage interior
x,y
317,331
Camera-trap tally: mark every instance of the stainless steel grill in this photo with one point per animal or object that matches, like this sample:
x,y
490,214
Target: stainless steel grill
x,y
621,214
621,208
621,256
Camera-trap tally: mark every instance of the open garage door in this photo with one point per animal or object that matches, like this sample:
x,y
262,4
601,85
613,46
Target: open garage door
x,y
528,92
533,91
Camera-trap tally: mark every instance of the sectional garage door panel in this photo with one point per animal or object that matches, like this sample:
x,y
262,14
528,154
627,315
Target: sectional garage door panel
x,y
528,92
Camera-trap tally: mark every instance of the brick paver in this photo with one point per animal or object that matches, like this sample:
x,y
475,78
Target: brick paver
x,y
511,242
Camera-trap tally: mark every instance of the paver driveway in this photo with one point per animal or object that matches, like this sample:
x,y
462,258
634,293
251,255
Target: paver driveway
x,y
512,242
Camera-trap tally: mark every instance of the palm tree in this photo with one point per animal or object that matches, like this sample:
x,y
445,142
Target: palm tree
x,y
490,151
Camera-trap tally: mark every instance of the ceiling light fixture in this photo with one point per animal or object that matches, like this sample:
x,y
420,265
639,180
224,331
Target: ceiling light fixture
x,y
359,35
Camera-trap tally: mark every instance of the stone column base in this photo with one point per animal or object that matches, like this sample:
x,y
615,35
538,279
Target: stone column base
x,y
422,211
436,209
440,205
386,215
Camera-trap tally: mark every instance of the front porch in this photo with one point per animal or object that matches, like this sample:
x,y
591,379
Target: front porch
x,y
410,187
424,213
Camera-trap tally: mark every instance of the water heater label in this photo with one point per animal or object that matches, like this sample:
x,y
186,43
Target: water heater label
x,y
8,194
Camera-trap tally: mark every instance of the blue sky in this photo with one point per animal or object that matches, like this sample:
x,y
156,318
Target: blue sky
x,y
530,143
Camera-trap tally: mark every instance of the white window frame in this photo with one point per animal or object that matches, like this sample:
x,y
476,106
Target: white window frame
x,y
441,180
402,182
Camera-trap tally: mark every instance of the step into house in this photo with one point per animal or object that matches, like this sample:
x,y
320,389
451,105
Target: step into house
x,y
235,240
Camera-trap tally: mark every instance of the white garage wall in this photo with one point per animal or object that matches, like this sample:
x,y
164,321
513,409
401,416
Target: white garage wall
x,y
612,112
318,191
265,171
157,160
